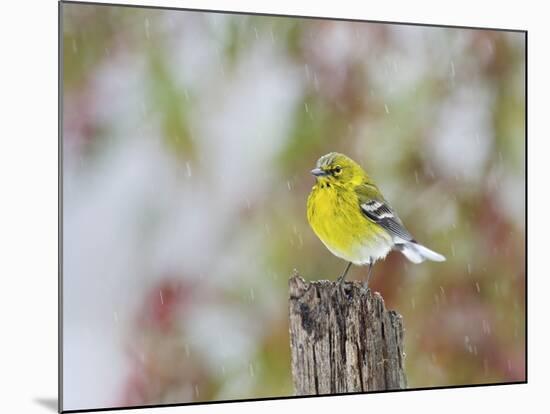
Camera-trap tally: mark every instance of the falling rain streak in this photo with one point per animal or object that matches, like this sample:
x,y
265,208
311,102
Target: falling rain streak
x,y
443,296
147,32
315,82
485,327
306,70
467,344
452,76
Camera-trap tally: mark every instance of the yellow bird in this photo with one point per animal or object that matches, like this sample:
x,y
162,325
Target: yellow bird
x,y
348,213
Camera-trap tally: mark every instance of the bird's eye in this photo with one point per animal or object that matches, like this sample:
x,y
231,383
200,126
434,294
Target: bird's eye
x,y
337,170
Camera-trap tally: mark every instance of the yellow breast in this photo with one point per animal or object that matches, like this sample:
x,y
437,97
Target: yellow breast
x,y
335,217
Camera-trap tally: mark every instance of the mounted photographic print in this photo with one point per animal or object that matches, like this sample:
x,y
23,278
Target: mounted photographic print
x,y
261,206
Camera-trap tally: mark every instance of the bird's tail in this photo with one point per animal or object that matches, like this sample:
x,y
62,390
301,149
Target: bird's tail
x,y
417,253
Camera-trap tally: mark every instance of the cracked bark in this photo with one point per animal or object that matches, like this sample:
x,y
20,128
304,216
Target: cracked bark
x,y
343,339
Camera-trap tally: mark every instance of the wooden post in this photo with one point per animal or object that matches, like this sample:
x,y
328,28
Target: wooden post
x,y
343,339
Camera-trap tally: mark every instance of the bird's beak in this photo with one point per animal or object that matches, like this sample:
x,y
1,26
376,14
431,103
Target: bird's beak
x,y
317,172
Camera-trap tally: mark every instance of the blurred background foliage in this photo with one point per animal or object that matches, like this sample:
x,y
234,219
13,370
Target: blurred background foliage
x,y
187,143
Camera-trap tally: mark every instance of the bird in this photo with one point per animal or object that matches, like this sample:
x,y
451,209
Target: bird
x,y
351,217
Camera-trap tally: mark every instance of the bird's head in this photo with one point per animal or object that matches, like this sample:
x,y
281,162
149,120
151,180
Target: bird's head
x,y
337,169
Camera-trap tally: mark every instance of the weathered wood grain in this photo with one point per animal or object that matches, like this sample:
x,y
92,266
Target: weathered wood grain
x,y
343,339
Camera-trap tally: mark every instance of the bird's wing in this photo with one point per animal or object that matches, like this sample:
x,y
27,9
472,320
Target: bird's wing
x,y
378,210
